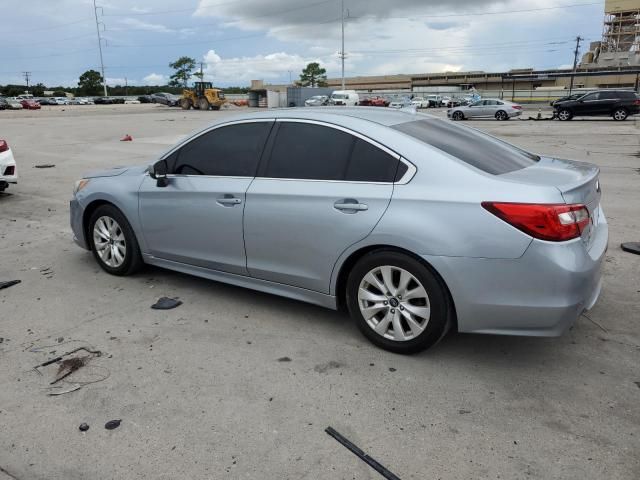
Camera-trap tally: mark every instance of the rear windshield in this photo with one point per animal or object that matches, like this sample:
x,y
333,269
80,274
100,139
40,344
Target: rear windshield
x,y
471,146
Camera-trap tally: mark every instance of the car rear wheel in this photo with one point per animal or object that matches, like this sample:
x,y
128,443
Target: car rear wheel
x,y
457,115
397,302
113,242
565,115
203,104
501,115
620,114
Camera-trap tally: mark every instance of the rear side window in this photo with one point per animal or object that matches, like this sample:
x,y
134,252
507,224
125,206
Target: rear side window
x,y
232,151
475,148
314,152
610,95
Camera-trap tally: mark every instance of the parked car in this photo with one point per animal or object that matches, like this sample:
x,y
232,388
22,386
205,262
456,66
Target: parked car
x,y
168,99
103,101
420,102
489,107
48,101
573,96
62,100
344,230
3,103
14,104
347,98
8,171
145,98
30,104
375,101
618,104
316,101
400,102
130,101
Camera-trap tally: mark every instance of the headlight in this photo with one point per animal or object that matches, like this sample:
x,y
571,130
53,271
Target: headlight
x,y
80,184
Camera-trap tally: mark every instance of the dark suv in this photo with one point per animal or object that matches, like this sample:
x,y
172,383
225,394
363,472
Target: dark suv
x,y
618,104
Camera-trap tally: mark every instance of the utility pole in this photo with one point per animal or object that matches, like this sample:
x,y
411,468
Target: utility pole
x,y
126,87
26,77
575,61
290,83
342,51
104,80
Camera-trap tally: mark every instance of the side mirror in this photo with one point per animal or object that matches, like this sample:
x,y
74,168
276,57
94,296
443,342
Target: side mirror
x,y
158,171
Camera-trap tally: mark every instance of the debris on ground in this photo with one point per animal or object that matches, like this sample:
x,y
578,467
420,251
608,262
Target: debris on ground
x,y
127,138
112,424
391,369
9,283
631,247
324,367
284,359
53,391
166,303
45,165
83,427
353,448
68,366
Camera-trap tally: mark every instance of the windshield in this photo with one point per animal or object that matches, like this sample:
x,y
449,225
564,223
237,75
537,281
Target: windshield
x,y
339,96
469,145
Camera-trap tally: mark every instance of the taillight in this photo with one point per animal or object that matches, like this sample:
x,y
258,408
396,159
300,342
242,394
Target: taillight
x,y
552,222
636,102
4,146
516,107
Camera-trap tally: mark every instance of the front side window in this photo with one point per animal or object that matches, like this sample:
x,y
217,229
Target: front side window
x,y
590,97
232,151
317,152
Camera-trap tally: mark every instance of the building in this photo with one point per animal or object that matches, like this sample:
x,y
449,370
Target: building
x,y
620,44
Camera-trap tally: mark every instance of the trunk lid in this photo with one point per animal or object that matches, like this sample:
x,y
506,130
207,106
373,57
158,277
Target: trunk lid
x,y
578,182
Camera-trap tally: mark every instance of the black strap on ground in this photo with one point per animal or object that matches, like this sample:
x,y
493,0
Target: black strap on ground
x,y
631,247
8,284
363,456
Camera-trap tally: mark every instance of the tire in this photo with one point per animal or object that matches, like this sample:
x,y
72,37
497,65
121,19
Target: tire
x,y
203,104
458,115
564,115
501,115
185,103
620,114
117,236
398,336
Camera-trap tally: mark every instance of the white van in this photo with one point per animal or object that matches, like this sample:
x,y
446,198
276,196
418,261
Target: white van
x,y
344,97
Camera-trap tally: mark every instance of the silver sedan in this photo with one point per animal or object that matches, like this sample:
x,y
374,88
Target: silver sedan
x,y
413,224
489,107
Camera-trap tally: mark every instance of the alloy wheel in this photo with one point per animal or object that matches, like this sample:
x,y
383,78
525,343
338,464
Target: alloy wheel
x,y
564,114
394,303
620,114
109,241
458,116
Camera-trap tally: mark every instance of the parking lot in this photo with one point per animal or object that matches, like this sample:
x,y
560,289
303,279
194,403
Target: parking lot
x,y
240,384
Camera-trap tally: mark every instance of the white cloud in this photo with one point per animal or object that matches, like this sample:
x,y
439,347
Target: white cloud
x,y
136,24
112,82
274,66
155,79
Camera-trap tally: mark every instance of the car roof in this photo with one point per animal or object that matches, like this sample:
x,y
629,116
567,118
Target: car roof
x,y
332,114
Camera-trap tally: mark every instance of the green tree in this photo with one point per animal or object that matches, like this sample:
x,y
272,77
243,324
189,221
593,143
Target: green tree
x,y
313,76
37,90
90,82
183,71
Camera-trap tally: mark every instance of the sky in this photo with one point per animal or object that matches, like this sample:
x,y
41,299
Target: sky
x,y
241,40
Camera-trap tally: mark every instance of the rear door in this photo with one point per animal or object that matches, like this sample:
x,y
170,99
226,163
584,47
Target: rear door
x,y
321,190
197,218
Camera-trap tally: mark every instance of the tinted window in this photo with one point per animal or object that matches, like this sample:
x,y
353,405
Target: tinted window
x,y
609,95
370,164
470,146
590,97
227,151
308,151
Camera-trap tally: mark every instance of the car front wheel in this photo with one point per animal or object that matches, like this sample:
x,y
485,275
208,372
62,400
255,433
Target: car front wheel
x,y
397,302
565,115
620,114
457,115
113,242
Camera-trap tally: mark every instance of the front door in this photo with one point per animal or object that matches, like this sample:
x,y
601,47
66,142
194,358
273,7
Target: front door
x,y
197,218
321,190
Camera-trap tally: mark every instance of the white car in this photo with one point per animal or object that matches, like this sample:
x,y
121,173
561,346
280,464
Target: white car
x,y
401,102
131,101
488,107
8,172
420,102
62,100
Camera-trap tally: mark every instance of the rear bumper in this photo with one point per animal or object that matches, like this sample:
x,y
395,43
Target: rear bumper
x,y
541,293
75,214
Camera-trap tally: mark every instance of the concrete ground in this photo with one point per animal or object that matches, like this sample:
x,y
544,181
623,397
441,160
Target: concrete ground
x,y
204,391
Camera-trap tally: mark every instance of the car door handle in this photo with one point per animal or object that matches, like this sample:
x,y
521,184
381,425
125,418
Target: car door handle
x,y
350,206
229,201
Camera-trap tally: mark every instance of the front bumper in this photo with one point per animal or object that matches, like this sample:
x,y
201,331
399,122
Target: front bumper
x,y
76,213
541,293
